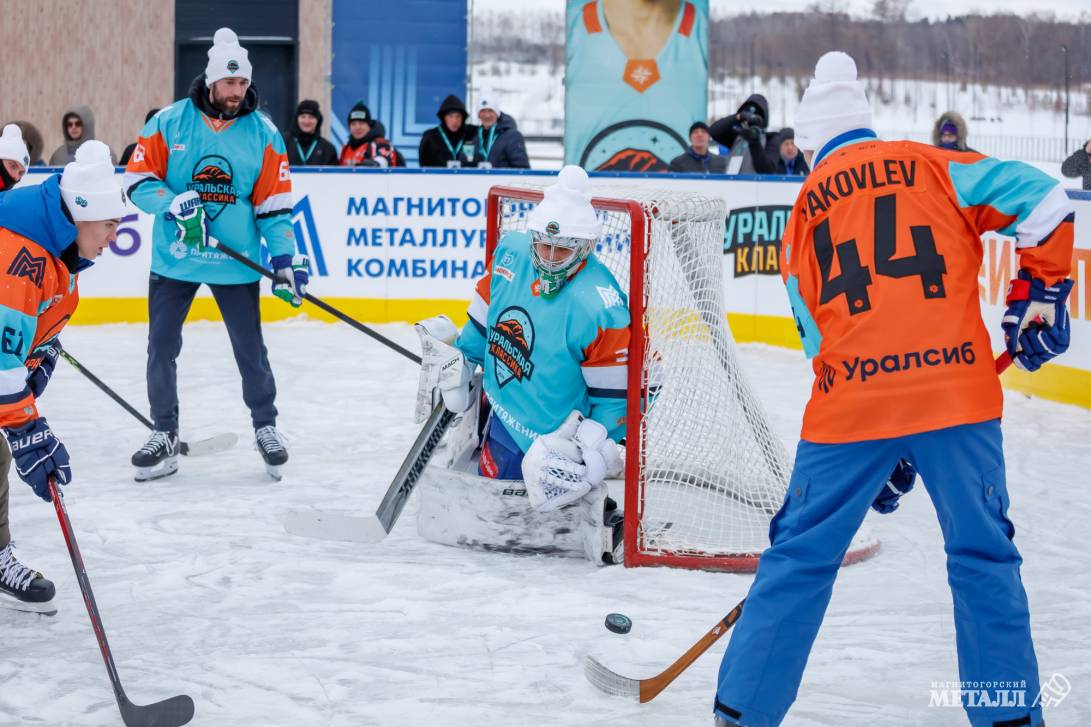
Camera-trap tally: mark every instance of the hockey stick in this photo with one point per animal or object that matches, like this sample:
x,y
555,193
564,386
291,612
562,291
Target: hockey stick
x,y
211,445
645,690
233,253
171,712
327,525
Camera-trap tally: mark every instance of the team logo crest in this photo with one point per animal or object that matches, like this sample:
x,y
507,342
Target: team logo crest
x,y
27,266
232,66
214,180
81,201
553,228
511,342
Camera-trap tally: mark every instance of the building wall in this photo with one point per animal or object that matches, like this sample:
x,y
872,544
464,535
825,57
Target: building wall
x,y
116,56
315,59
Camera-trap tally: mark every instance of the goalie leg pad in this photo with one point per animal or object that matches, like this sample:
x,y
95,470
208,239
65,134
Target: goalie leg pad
x,y
466,510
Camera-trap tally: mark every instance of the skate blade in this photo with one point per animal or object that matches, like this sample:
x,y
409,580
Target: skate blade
x,y
47,608
163,469
273,470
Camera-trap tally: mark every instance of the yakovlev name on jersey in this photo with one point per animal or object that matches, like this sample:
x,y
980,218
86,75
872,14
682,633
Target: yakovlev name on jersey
x,y
214,180
511,342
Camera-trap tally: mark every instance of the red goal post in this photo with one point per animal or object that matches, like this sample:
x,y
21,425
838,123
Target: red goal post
x,y
704,473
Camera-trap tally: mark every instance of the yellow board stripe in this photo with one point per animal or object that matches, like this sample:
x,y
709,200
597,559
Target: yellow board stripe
x,y
1054,381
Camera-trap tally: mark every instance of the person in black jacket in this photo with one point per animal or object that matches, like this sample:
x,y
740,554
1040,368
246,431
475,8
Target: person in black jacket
x,y
128,152
1078,164
697,158
790,161
305,144
499,144
752,150
453,142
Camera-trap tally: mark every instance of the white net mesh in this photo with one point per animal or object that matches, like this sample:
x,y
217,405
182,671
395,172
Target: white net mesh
x,y
712,474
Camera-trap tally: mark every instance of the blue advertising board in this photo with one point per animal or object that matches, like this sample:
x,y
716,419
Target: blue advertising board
x,y
401,59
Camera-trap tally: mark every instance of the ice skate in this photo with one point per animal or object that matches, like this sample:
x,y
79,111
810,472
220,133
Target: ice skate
x,y
24,589
273,452
158,457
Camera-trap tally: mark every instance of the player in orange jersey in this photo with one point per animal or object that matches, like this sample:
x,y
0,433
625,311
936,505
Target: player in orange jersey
x,y
880,258
49,233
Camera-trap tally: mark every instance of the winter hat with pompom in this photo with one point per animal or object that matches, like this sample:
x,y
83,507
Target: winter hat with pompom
x,y
88,186
13,147
565,209
226,58
834,102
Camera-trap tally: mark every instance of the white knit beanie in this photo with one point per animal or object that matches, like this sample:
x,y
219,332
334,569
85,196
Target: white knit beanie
x,y
834,102
88,186
565,210
13,147
488,101
226,58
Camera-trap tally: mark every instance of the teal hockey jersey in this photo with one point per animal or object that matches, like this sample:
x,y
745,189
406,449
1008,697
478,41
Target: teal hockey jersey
x,y
237,165
544,358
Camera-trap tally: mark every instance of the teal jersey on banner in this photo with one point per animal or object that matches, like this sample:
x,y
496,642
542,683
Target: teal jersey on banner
x,y
545,358
625,114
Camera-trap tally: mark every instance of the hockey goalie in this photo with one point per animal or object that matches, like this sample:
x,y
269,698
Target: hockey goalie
x,y
528,463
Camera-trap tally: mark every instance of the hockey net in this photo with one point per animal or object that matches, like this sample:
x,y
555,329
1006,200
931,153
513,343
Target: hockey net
x,y
704,472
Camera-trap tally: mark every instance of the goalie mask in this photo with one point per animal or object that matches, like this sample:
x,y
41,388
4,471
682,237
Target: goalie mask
x,y
564,228
556,259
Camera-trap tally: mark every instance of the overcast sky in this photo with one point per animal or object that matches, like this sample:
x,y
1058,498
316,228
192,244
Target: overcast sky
x,y
936,9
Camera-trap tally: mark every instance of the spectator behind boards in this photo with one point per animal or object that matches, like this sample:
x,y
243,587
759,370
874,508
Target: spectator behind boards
x,y
14,157
790,161
1079,164
751,151
698,158
305,144
949,132
500,144
128,151
453,142
77,126
367,145
33,139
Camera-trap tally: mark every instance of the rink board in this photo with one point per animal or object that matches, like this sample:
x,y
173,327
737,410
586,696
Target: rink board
x,y
401,245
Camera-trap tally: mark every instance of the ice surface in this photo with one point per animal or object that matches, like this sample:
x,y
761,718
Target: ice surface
x,y
202,592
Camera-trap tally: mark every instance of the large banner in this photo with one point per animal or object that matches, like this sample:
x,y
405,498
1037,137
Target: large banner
x,y
401,59
402,245
635,80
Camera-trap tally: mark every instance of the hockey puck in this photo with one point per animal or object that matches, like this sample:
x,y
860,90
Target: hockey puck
x,y
618,623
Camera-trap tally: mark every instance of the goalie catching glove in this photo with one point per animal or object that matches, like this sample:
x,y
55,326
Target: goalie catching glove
x,y
444,372
562,466
1036,325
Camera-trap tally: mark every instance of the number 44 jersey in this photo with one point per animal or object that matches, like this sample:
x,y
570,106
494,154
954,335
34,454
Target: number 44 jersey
x,y
881,257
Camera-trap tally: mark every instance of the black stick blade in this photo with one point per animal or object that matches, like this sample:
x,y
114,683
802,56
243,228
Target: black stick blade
x,y
173,712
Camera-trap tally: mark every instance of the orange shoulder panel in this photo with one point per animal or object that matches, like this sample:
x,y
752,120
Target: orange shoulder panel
x,y
274,177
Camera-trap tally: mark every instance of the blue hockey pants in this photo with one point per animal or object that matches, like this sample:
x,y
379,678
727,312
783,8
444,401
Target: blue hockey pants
x,y
828,496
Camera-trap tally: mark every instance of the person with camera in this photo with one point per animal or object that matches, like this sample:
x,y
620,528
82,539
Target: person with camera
x,y
751,149
1079,164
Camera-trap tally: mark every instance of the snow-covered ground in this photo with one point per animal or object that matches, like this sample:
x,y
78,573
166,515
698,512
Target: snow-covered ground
x,y
202,592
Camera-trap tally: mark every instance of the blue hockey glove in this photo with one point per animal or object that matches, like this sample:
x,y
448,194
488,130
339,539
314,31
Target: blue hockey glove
x,y
291,278
1036,325
901,481
189,215
40,375
38,455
